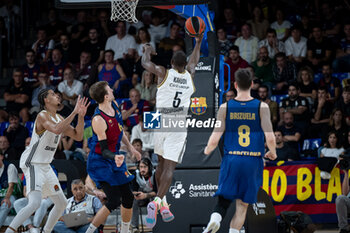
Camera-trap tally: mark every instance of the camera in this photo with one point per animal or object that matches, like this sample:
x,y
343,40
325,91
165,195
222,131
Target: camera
x,y
345,162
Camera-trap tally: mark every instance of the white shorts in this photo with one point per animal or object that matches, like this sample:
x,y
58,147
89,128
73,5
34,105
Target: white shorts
x,y
41,177
170,145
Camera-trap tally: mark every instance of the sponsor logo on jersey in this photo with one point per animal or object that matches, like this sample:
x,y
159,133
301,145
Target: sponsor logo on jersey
x,y
50,148
56,188
198,105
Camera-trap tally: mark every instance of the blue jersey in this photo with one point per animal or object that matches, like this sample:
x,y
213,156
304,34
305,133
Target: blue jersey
x,y
243,133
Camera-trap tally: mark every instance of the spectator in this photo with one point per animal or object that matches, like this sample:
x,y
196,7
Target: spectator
x,y
44,82
94,45
137,144
330,23
43,46
55,28
331,83
284,72
297,105
157,30
145,135
166,44
84,67
70,87
224,43
70,150
16,133
231,24
336,124
33,226
344,104
321,112
143,37
308,88
273,45
79,30
133,108
281,26
109,71
104,25
259,23
319,49
230,95
263,97
144,189
80,201
6,151
332,149
235,61
296,46
283,151
9,188
263,67
17,96
342,204
31,69
147,87
121,43
65,48
291,133
248,44
56,67
342,61
305,25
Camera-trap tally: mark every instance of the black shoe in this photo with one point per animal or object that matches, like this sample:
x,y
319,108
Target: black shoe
x,y
344,231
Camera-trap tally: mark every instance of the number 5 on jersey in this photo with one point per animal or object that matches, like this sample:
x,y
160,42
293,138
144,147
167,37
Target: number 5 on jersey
x,y
177,100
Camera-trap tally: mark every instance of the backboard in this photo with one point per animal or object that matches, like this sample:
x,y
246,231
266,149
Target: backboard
x,y
83,4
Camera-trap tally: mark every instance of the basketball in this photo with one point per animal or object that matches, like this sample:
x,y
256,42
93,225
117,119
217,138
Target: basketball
x,y
194,26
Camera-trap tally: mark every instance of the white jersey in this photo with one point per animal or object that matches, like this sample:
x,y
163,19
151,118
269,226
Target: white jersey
x,y
42,146
174,92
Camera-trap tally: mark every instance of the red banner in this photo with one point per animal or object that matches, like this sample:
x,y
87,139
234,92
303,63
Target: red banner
x,y
298,186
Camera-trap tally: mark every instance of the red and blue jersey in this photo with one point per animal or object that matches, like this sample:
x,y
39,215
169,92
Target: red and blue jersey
x,y
56,72
30,75
133,119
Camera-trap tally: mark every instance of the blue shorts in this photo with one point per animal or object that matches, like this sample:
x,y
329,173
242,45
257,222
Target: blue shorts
x,y
240,178
102,169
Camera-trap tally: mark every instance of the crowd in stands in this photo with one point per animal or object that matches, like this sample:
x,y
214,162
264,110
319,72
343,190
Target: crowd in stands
x,y
299,55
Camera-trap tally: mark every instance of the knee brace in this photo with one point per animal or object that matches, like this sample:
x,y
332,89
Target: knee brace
x,y
128,200
113,203
221,206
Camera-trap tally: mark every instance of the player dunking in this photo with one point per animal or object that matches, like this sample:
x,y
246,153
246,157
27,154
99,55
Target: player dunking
x,y
244,122
35,160
175,87
105,165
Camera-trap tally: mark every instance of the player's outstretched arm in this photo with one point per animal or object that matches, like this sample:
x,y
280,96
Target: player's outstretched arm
x,y
218,131
194,58
149,65
78,132
44,121
266,125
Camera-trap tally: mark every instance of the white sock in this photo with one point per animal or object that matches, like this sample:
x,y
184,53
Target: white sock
x,y
164,202
215,217
8,230
91,228
125,227
158,200
233,231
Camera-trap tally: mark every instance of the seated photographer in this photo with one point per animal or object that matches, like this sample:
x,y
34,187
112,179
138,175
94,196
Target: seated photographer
x,y
144,189
330,155
342,203
80,201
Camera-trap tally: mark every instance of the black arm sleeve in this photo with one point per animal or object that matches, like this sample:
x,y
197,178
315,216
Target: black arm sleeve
x,y
106,153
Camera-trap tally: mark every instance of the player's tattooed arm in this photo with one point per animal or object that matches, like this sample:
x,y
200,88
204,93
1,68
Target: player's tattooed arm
x,y
194,58
218,131
146,62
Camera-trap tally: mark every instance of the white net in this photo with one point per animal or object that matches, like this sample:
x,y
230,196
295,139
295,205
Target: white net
x,y
124,10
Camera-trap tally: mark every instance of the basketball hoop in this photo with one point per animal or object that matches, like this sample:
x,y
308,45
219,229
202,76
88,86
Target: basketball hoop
x,y
124,10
